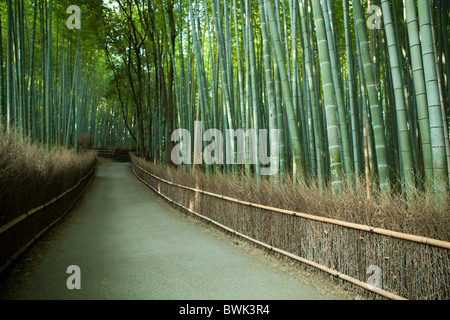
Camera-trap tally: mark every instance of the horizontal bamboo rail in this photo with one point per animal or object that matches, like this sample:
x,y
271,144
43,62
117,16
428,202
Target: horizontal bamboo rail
x,y
333,272
385,232
14,222
17,220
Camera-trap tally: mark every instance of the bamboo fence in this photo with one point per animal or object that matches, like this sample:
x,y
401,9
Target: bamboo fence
x,y
412,267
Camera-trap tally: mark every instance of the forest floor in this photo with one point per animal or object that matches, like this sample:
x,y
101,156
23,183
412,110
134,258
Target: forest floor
x,y
130,244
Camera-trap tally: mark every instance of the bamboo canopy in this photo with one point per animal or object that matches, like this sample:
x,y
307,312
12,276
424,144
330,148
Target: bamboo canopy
x,y
342,98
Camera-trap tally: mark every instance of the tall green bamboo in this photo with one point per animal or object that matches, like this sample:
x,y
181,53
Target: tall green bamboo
x,y
400,103
240,92
226,82
2,76
356,141
334,145
19,61
203,97
280,116
254,88
274,144
441,84
9,71
339,96
373,95
36,86
297,167
31,75
237,69
49,80
433,98
312,92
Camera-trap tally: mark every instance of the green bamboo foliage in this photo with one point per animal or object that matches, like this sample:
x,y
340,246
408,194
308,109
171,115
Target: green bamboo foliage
x,y
232,82
310,69
242,65
40,102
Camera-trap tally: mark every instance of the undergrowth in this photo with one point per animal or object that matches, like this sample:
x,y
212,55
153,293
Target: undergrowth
x,y
30,175
421,214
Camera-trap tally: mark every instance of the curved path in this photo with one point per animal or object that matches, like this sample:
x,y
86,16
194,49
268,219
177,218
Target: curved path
x,y
129,244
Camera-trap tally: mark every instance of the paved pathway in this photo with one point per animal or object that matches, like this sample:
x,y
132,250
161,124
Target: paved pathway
x,y
129,244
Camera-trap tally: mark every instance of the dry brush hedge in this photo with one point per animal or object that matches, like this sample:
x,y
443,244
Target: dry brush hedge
x,y
31,177
408,269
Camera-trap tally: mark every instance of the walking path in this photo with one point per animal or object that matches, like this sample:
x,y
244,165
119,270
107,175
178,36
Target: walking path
x,y
130,244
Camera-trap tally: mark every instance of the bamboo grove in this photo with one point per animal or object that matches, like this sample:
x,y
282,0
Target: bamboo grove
x,y
49,88
356,89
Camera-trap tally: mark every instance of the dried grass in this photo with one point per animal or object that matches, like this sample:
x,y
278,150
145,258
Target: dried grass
x,y
423,215
30,176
